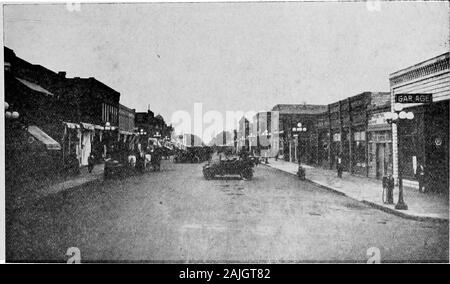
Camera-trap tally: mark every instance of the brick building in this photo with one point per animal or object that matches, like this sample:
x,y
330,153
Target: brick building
x,y
343,130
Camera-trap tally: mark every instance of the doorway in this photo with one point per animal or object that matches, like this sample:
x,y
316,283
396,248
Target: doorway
x,y
381,160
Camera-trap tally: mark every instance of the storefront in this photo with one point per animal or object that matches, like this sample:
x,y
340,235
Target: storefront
x,y
30,153
335,132
323,148
335,148
359,148
323,140
87,135
423,140
71,142
80,140
380,145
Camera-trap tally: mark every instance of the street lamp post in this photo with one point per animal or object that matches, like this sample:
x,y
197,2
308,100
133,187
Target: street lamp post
x,y
299,129
394,118
10,114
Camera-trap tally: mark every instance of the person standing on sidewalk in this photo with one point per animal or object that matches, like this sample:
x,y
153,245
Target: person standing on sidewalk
x,y
339,165
91,162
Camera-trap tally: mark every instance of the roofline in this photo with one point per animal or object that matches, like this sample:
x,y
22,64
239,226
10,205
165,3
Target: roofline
x,y
127,108
420,64
103,85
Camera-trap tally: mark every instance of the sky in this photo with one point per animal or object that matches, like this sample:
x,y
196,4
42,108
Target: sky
x,y
230,56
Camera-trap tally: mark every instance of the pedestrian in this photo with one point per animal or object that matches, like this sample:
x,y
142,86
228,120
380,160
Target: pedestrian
x,y
91,162
339,165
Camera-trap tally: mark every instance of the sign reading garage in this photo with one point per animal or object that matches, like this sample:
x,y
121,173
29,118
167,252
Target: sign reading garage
x,y
414,98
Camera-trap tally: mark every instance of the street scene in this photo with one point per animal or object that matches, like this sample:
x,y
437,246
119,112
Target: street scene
x,y
227,132
177,216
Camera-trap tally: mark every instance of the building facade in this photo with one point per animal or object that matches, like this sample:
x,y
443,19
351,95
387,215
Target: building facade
x,y
379,139
73,111
126,120
31,148
424,139
344,130
88,106
288,141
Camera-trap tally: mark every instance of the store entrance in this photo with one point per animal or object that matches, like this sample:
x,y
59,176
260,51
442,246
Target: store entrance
x,y
437,146
381,160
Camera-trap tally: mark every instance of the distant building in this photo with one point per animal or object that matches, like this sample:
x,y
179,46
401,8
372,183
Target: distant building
x,y
126,120
289,143
153,126
223,138
425,139
242,134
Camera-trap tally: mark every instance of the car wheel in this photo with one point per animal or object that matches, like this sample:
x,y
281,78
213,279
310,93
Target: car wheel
x,y
207,174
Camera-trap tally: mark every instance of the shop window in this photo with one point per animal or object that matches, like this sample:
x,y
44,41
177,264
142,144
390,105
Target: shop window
x,y
359,148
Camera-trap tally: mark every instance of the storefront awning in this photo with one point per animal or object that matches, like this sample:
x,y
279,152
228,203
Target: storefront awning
x,y
125,132
379,127
88,126
71,125
40,135
34,87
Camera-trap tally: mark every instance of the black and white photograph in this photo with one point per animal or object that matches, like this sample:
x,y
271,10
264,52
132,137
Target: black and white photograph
x,y
225,132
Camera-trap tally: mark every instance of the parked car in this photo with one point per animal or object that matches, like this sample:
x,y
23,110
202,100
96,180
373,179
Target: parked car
x,y
195,154
121,165
235,166
114,168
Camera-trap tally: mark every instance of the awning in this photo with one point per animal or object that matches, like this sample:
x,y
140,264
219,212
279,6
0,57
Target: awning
x,y
88,126
379,127
40,135
125,132
34,87
71,125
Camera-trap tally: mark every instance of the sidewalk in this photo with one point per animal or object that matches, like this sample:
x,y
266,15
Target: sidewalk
x,y
421,206
28,193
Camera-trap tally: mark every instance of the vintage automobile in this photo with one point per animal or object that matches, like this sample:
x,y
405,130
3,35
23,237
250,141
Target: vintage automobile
x,y
122,164
241,167
114,168
195,154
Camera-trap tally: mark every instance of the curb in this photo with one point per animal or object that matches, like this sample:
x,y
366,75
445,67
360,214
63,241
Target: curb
x,y
402,214
370,203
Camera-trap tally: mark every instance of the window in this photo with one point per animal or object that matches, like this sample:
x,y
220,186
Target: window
x,y
359,148
359,136
336,137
